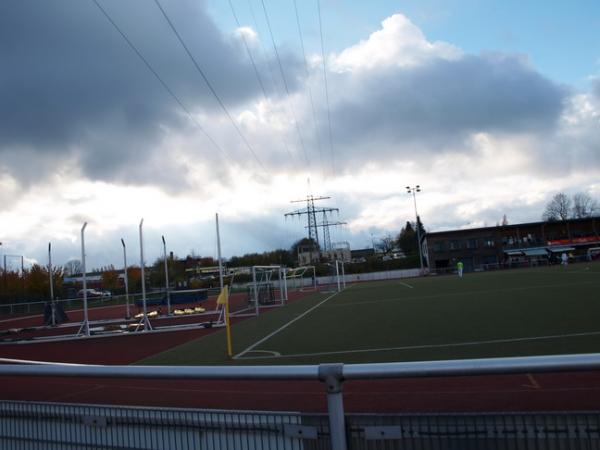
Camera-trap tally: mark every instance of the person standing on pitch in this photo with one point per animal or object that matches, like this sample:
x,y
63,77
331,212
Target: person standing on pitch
x,y
459,268
564,259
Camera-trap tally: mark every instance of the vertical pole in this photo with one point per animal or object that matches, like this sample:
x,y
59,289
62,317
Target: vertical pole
x,y
255,289
332,376
23,276
337,275
52,305
418,229
128,311
85,326
219,252
343,274
145,309
166,277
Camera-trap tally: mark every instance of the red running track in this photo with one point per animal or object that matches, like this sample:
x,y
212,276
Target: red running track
x,y
552,392
540,392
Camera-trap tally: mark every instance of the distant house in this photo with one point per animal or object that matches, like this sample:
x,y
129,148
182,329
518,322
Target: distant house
x,y
361,255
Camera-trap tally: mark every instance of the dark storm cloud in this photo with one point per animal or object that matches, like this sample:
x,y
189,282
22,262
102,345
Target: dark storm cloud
x,y
441,102
70,85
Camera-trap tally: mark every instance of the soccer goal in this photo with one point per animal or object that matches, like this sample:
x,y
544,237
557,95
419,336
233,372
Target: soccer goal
x,y
268,287
302,278
336,280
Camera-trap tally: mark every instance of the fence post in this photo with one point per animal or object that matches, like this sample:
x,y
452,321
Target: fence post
x,y
332,376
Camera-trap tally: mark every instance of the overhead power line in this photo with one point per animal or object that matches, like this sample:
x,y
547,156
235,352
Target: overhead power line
x,y
312,103
285,82
326,89
210,87
257,74
161,81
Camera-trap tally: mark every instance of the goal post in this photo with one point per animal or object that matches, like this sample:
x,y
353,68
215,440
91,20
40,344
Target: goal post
x,y
268,287
297,277
336,280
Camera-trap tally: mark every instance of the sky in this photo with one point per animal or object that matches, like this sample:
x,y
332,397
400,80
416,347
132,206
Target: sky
x,y
173,111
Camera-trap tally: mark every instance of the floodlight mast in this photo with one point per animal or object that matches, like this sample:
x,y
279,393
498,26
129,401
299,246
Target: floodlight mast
x,y
128,312
166,277
413,190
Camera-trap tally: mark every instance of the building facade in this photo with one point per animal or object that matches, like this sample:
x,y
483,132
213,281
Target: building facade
x,y
508,245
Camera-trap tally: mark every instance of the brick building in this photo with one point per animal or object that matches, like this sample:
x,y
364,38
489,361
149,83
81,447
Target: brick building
x,y
519,244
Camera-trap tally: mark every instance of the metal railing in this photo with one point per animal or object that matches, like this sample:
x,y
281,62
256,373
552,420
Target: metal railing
x,y
341,431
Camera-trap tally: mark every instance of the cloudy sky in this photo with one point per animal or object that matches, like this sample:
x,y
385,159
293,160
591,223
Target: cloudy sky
x,y
175,110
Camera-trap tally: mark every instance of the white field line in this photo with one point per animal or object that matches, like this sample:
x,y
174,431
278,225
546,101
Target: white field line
x,y
461,293
269,336
406,284
419,347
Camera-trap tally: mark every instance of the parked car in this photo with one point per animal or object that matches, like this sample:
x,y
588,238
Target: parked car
x,y
91,293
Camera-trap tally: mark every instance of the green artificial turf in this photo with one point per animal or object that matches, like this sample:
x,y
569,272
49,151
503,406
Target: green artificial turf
x,y
523,312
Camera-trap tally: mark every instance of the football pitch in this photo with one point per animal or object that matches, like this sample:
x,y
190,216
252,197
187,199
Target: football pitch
x,y
551,310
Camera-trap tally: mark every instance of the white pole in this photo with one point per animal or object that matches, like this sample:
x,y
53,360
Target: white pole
x,y
166,277
219,252
343,274
128,311
337,273
52,305
86,324
145,319
255,289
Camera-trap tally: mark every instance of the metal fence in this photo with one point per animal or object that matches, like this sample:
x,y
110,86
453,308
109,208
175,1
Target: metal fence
x,y
50,426
33,426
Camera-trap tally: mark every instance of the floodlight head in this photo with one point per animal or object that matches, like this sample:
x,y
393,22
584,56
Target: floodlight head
x,y
408,188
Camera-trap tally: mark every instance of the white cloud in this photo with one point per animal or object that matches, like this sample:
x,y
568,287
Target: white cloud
x,y
398,43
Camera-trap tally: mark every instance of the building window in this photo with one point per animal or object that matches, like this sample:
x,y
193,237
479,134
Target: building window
x,y
439,246
454,245
472,243
489,242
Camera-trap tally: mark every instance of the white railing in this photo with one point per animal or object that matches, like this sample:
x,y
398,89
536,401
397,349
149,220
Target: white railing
x,y
332,375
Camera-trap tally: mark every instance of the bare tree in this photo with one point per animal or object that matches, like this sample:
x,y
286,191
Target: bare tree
x,y
583,206
558,208
73,267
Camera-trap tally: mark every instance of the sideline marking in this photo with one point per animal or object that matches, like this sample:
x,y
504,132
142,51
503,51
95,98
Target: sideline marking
x,y
273,353
406,284
269,336
534,384
416,347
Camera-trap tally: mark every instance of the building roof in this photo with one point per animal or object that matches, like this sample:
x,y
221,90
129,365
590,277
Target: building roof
x,y
516,225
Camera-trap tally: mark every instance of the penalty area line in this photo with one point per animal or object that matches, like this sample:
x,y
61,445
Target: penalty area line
x,y
269,336
406,284
430,346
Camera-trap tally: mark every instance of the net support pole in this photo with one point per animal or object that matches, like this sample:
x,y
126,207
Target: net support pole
x,y
85,326
219,252
52,303
343,274
125,279
337,274
144,320
167,293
